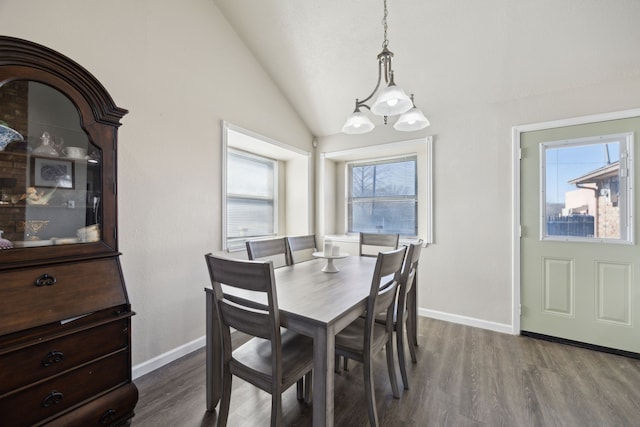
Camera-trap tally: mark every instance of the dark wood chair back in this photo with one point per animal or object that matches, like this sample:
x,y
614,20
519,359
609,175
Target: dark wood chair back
x,y
372,243
301,248
275,250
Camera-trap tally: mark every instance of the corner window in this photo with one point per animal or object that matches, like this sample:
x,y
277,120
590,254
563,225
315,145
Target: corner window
x,y
383,196
585,191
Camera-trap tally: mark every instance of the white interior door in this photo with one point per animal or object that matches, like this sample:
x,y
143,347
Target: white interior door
x,y
578,255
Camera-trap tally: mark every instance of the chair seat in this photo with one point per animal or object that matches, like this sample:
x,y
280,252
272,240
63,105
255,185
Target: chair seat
x,y
351,339
255,357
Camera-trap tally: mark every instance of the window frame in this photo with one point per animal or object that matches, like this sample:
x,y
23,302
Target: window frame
x,y
625,185
273,198
332,179
294,201
387,198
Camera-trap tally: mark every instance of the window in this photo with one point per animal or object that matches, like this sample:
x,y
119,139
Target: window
x,y
266,188
383,196
251,196
586,192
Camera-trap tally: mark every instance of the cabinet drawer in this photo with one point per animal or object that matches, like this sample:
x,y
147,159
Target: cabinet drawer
x,y
45,294
44,400
107,410
45,359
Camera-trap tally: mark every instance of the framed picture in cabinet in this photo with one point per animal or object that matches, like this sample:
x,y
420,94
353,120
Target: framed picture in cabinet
x,y
48,172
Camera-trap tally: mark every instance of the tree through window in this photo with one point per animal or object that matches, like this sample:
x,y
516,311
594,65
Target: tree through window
x,y
383,196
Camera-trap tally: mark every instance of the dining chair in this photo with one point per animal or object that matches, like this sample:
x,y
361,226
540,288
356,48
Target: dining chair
x,y
400,320
372,243
364,337
275,250
274,358
301,248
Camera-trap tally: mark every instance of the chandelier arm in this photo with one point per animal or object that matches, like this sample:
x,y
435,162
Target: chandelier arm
x,y
362,103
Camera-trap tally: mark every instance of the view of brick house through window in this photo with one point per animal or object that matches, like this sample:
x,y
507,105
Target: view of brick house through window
x,y
585,190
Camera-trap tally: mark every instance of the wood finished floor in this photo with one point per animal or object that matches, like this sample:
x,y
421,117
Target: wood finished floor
x,y
464,377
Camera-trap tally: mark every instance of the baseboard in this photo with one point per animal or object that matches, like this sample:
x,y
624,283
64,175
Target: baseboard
x,y
468,321
166,358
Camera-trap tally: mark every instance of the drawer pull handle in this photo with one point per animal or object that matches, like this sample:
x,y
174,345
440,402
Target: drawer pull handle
x,y
45,280
108,417
53,398
52,357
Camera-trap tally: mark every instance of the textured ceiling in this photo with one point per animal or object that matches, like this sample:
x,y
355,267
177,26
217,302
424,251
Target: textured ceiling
x,y
453,54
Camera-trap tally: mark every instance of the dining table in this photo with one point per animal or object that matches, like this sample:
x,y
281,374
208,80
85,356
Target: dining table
x,y
311,302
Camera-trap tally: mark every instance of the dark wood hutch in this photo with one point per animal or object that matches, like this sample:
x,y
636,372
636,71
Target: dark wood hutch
x,y
65,317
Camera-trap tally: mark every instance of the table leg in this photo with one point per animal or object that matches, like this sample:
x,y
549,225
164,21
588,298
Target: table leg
x,y
213,354
323,372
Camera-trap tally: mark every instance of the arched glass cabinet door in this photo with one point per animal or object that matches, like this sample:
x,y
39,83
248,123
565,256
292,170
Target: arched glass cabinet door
x,y
57,157
51,187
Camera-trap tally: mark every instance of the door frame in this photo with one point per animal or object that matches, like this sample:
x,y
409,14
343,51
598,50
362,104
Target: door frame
x,y
516,133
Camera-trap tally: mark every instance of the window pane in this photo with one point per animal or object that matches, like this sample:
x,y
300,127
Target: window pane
x,y
384,179
582,191
384,217
383,197
249,175
250,196
249,218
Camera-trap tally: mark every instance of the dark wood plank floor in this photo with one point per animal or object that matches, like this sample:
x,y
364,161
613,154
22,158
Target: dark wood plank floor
x,y
464,377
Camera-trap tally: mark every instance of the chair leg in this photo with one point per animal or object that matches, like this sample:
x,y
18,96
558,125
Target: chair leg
x,y
337,365
300,389
225,398
276,409
369,392
308,387
391,368
401,357
412,327
346,364
410,341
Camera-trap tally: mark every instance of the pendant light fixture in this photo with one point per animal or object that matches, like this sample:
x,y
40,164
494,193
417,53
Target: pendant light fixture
x,y
391,101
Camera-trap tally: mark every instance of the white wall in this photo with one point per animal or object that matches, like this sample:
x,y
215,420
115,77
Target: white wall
x,y
299,190
466,275
179,69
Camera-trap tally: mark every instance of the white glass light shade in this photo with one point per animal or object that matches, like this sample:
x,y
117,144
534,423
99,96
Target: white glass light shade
x,y
358,122
413,119
391,102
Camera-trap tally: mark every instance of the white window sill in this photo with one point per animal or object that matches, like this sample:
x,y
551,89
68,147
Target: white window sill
x,y
355,238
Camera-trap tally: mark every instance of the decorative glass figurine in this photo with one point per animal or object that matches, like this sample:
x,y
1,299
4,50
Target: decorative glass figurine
x,y
47,147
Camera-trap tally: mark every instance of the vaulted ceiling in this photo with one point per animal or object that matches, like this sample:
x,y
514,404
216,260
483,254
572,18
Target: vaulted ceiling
x,y
452,54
